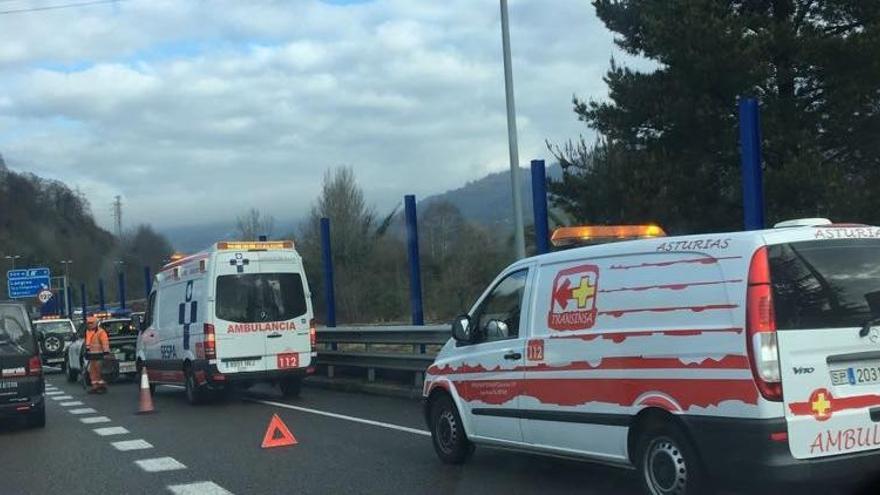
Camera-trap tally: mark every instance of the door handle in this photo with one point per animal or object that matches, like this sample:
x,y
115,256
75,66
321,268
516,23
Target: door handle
x,y
273,336
512,355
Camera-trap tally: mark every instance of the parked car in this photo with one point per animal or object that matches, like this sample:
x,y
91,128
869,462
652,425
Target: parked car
x,y
719,356
122,333
54,336
22,385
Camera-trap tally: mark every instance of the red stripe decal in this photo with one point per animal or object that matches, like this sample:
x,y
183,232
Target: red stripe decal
x,y
617,313
623,392
731,362
670,286
837,403
704,261
619,337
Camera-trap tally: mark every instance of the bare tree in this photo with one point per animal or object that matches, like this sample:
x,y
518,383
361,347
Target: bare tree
x,y
253,224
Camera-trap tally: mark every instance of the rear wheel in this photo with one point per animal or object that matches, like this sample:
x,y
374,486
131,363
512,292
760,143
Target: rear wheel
x,y
447,432
71,373
668,464
194,394
290,387
37,418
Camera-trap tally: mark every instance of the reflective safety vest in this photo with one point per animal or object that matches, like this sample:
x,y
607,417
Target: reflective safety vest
x,y
97,341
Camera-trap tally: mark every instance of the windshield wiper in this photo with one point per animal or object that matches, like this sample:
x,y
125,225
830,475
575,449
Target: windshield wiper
x,y
866,328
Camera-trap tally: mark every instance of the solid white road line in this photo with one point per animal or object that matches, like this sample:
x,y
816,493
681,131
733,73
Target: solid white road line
x,y
62,397
95,419
71,403
199,488
82,410
127,445
347,418
110,430
160,464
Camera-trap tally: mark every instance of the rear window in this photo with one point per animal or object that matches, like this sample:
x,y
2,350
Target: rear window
x,y
260,297
15,336
825,284
119,328
62,326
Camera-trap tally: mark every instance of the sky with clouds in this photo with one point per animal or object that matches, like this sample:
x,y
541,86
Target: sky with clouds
x,y
195,110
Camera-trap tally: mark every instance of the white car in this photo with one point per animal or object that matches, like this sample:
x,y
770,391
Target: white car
x,y
122,334
743,355
235,314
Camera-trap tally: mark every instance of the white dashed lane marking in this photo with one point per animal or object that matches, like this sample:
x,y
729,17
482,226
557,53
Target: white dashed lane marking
x,y
71,403
131,445
83,410
199,488
95,419
54,392
160,464
111,430
62,397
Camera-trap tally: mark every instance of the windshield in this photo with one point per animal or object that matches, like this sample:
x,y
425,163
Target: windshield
x,y
119,328
59,326
825,284
260,297
15,338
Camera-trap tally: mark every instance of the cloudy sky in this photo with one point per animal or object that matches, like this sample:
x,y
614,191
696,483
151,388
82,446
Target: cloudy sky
x,y
195,110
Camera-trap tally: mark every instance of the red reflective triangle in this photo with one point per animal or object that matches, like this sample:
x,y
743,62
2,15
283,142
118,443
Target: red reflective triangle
x,y
277,426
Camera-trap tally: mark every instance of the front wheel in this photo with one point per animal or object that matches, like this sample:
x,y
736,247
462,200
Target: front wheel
x,y
447,432
71,373
668,464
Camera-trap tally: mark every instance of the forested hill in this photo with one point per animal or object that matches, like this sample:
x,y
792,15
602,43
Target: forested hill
x,y
45,221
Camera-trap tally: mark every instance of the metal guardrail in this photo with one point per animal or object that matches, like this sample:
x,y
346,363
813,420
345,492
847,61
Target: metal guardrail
x,y
372,356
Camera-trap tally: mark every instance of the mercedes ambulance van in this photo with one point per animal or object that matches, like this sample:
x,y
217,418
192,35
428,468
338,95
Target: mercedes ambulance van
x,y
749,355
235,314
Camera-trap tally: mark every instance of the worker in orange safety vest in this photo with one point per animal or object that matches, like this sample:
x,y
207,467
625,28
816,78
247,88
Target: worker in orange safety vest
x,y
97,346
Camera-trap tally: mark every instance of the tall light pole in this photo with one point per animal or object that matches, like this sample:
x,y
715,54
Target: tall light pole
x,y
511,136
66,264
13,258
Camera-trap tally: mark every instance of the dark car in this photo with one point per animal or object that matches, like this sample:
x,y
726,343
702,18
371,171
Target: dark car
x,y
54,337
22,387
122,334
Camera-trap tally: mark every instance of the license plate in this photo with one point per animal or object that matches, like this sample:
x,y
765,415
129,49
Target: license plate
x,y
120,356
54,360
128,367
8,385
863,375
241,364
289,360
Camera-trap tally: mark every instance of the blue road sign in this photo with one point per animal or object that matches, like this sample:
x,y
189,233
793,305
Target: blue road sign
x,y
27,282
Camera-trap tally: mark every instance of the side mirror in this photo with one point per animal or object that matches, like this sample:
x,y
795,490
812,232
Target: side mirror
x,y
462,330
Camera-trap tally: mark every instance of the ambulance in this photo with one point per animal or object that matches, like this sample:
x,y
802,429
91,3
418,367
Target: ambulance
x,y
233,315
752,356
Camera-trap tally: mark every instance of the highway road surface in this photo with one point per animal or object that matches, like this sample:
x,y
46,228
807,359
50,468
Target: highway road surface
x,y
347,443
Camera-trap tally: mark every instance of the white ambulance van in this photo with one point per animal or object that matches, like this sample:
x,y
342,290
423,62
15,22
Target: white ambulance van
x,y
235,314
747,355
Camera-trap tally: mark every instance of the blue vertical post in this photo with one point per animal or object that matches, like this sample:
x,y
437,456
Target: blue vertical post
x,y
753,184
101,295
415,273
82,295
148,281
70,302
327,259
121,283
539,206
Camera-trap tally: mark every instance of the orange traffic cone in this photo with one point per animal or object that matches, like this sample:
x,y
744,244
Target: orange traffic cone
x,y
146,399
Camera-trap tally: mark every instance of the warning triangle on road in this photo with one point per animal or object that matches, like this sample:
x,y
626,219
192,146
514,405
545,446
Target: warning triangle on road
x,y
277,426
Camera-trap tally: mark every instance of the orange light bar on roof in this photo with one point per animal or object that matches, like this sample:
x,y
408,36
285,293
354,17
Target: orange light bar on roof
x,y
50,317
567,236
176,257
253,245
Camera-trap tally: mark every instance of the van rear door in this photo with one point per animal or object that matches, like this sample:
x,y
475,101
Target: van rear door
x,y
286,308
826,297
239,347
17,348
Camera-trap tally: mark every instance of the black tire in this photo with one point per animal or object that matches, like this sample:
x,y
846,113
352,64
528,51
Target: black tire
x,y
290,387
667,463
447,432
194,394
85,379
37,418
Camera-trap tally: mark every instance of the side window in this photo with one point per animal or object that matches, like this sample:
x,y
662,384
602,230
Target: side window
x,y
498,316
150,315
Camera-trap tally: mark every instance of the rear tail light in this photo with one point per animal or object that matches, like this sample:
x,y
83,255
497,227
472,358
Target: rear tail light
x,y
313,334
35,366
210,342
761,329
